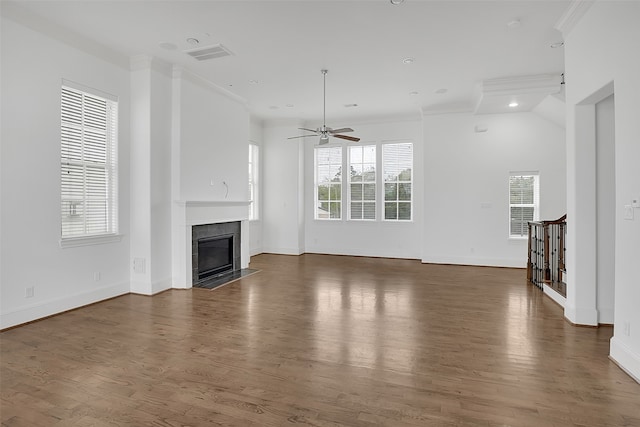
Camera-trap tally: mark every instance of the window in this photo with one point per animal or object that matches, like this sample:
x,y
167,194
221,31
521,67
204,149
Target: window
x,y
328,183
523,202
362,182
253,181
397,170
88,162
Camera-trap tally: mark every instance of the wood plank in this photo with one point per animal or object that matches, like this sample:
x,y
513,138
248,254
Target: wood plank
x,y
320,340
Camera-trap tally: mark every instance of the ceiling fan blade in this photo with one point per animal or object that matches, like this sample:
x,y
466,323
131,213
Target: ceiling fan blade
x,y
301,136
348,138
308,130
341,130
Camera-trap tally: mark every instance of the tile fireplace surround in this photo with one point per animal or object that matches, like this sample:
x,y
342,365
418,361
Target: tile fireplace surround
x,y
189,213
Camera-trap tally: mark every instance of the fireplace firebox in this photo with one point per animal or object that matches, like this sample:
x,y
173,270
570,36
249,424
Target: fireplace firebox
x,y
216,251
215,256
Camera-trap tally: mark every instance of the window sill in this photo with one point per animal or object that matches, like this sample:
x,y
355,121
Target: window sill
x,y
518,238
73,242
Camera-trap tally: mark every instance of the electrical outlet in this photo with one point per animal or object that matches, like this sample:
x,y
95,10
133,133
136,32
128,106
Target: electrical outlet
x,y
29,292
96,276
628,212
627,328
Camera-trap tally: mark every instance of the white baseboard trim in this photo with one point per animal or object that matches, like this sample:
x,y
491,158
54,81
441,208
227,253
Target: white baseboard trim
x,y
29,313
606,316
625,358
150,288
362,252
484,262
559,299
283,251
583,316
255,251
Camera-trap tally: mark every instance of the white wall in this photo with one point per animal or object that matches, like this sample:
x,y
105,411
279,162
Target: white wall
x,y
466,214
605,210
600,50
214,135
150,175
367,238
282,189
30,251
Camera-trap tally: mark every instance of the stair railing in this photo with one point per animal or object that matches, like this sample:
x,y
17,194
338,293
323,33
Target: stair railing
x,y
546,248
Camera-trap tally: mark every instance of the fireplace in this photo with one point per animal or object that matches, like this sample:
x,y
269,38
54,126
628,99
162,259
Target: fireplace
x,y
215,256
215,251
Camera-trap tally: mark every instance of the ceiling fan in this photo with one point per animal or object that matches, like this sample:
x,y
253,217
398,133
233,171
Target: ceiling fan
x,y
325,132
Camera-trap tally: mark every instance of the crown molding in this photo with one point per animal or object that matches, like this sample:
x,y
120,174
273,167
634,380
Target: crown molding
x,y
572,15
541,83
19,14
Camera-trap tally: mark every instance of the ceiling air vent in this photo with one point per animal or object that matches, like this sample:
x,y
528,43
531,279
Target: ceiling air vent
x,y
209,52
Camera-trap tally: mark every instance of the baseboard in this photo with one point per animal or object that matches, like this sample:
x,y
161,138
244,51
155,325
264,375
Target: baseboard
x,y
282,251
584,316
625,358
43,309
361,252
255,251
484,262
150,288
556,297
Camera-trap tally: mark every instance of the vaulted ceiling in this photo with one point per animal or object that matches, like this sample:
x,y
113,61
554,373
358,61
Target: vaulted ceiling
x,y
387,59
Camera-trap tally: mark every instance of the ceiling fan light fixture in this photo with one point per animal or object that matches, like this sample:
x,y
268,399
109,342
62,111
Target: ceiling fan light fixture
x,y
396,2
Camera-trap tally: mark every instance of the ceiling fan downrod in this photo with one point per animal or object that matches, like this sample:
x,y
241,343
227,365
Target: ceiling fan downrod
x,y
324,99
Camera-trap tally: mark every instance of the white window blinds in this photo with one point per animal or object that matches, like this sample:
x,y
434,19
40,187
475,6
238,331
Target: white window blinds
x,y
362,182
253,181
328,183
397,170
523,202
88,162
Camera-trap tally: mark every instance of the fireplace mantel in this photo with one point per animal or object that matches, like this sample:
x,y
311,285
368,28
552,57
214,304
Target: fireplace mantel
x,y
186,214
205,203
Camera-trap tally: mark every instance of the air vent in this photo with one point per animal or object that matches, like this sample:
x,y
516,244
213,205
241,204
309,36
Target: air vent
x,y
209,52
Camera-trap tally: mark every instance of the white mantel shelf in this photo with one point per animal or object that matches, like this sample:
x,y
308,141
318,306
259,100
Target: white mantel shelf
x,y
213,203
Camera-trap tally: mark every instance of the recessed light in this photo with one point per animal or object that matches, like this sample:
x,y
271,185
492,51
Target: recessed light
x,y
193,41
253,82
408,60
413,93
350,105
168,46
441,91
289,105
396,2
513,104
514,24
557,45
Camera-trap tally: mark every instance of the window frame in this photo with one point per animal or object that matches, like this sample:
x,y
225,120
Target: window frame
x,y
535,205
81,148
398,182
254,182
340,184
350,183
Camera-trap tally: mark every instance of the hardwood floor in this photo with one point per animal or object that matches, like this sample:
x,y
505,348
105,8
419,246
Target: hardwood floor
x,y
320,340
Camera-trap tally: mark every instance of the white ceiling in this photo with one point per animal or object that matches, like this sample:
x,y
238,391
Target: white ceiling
x,y
284,44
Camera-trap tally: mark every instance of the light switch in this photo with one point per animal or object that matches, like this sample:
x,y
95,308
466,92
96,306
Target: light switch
x,y
628,212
